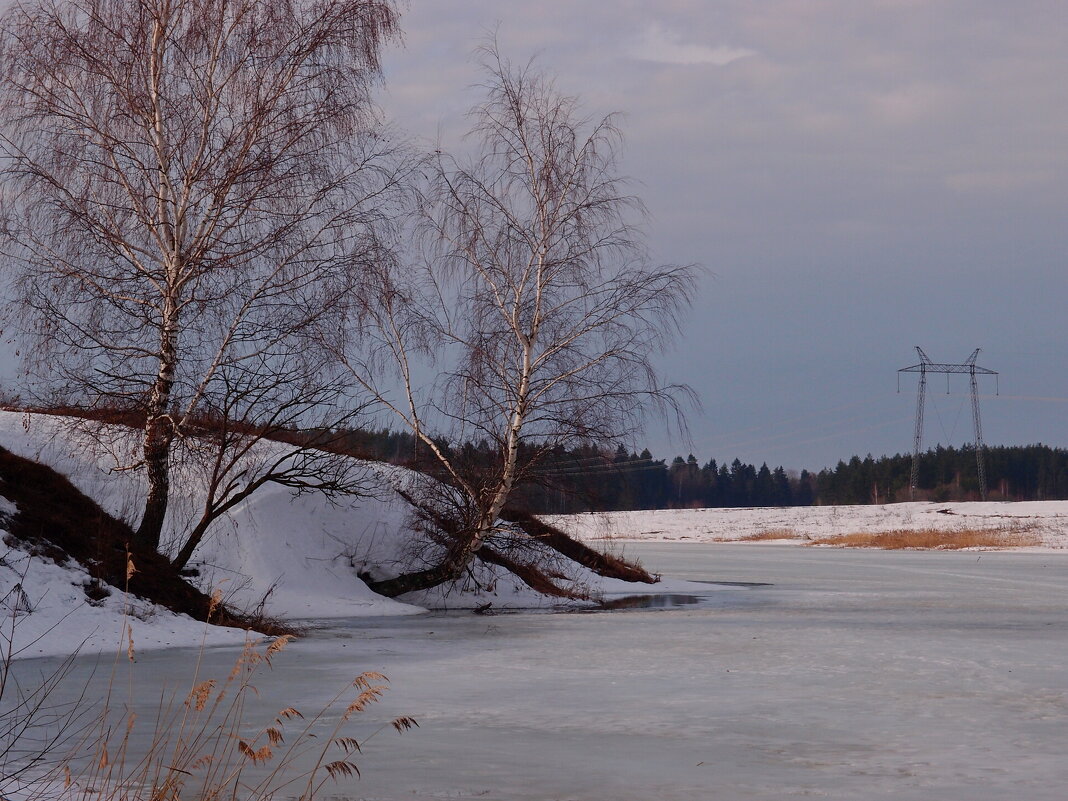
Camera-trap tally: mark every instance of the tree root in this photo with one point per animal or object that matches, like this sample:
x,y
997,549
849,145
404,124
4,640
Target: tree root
x,y
600,563
530,575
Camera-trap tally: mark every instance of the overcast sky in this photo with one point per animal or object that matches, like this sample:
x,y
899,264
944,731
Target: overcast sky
x,y
857,178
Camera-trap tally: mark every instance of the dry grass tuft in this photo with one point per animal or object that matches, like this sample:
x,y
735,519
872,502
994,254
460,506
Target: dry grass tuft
x,y
204,744
934,539
762,536
402,724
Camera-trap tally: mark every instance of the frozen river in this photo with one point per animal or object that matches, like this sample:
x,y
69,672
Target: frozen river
x,y
819,674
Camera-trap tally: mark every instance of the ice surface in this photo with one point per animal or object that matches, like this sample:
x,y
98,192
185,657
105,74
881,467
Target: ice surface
x,y
848,675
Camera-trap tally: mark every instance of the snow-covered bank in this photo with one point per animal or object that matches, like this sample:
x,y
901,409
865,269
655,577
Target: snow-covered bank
x,y
46,611
261,550
1046,520
295,556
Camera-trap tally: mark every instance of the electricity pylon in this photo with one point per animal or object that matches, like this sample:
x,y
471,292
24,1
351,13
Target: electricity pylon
x,y
923,368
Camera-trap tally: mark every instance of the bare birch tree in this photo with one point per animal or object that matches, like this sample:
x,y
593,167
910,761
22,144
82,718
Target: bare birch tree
x,y
536,302
193,190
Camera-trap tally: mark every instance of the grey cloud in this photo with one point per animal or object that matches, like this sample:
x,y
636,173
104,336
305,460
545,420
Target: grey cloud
x,y
869,176
665,46
861,177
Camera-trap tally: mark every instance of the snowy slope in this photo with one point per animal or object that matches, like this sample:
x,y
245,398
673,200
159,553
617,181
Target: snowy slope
x,y
297,555
46,613
244,555
301,555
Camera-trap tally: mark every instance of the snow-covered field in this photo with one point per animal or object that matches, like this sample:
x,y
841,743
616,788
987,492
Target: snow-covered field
x,y
1046,520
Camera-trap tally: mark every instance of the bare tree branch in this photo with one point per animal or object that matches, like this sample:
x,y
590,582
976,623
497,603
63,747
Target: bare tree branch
x,y
536,300
193,192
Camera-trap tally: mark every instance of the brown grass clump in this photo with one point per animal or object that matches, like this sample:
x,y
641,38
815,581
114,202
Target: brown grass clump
x,y
934,539
211,742
204,744
762,536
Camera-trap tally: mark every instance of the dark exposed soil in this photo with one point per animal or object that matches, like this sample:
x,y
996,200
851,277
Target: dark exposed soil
x,y
57,521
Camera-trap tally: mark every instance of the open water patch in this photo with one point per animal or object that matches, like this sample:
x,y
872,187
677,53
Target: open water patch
x,y
653,601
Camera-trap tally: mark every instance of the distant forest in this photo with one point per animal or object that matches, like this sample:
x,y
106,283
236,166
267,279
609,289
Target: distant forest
x,y
590,479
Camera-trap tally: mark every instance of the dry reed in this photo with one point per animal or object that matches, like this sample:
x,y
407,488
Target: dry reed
x,y
203,744
209,743
763,536
934,539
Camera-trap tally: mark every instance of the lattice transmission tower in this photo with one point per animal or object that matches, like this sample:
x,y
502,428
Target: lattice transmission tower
x,y
969,368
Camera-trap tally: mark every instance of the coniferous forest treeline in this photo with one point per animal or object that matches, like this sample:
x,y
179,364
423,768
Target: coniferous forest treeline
x,y
591,479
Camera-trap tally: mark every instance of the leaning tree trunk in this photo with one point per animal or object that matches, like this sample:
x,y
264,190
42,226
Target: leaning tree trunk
x,y
458,556
467,541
